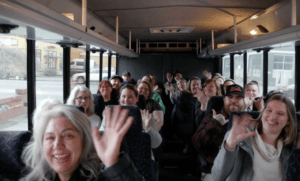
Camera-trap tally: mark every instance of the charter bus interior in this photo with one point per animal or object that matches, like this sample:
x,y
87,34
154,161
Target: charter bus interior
x,y
49,47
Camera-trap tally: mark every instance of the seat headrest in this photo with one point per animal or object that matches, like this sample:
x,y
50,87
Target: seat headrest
x,y
216,103
12,144
135,112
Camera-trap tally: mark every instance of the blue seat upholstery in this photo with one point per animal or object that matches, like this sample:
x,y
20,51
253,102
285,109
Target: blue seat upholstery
x,y
12,144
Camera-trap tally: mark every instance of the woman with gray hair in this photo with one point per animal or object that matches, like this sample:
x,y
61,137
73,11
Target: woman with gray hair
x,y
82,96
63,147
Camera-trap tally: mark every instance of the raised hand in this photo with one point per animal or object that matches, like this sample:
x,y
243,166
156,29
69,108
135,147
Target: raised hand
x,y
116,126
139,81
155,87
220,118
169,77
248,100
169,87
146,117
259,104
238,131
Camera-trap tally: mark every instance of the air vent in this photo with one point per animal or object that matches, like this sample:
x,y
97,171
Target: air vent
x,y
173,29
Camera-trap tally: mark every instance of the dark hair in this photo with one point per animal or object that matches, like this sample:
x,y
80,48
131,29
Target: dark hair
x,y
216,84
130,87
289,132
253,82
149,87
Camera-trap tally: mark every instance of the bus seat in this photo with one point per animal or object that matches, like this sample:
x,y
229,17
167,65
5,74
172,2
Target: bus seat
x,y
142,102
12,144
216,103
138,144
253,114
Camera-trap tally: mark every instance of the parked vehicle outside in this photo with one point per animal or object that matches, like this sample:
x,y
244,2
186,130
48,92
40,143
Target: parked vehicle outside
x,y
94,75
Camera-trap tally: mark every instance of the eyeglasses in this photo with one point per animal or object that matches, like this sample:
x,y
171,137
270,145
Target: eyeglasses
x,y
104,87
80,99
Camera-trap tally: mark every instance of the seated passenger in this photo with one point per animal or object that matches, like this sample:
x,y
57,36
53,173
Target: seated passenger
x,y
172,81
219,80
180,87
207,76
82,96
116,85
151,105
212,129
127,79
64,147
227,82
211,88
155,96
258,149
156,87
104,89
129,97
252,92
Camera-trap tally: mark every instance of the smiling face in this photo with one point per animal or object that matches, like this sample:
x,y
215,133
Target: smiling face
x,y
128,98
195,84
226,84
252,90
62,146
144,89
181,85
105,90
82,99
210,90
220,81
274,118
116,83
233,102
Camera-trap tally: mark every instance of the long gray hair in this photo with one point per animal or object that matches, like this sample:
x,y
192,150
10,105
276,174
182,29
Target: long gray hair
x,y
74,92
34,157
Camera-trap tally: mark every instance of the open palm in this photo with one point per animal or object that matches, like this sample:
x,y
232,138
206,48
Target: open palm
x,y
238,132
116,126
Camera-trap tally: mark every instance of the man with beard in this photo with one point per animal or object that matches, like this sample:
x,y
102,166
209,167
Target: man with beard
x,y
209,136
116,84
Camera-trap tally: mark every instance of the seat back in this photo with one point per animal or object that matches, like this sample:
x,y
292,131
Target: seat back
x,y
253,114
138,144
216,103
12,144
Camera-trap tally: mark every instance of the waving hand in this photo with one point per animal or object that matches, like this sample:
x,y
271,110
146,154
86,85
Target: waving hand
x,y
117,124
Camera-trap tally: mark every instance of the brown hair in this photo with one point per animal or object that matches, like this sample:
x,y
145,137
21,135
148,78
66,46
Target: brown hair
x,y
190,82
216,84
149,85
180,79
130,87
289,132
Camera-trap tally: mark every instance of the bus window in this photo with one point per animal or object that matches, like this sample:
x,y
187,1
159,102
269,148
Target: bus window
x,y
49,71
113,65
77,71
255,69
239,69
281,70
13,81
226,67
